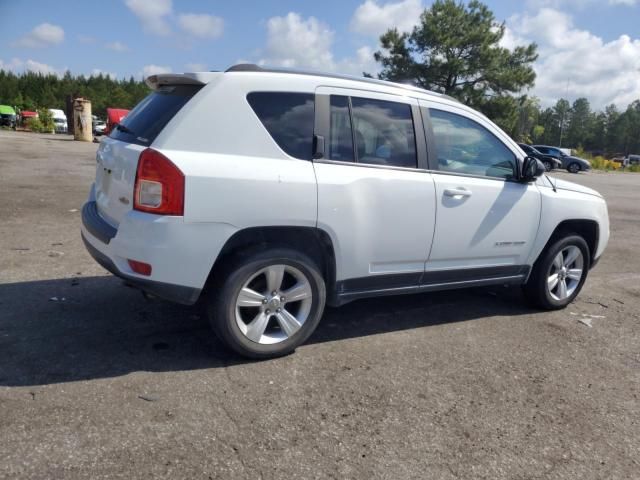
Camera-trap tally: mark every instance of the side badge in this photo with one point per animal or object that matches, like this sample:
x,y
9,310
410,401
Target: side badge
x,y
510,244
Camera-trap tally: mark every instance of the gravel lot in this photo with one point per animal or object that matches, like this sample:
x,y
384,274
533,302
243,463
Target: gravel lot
x,y
465,384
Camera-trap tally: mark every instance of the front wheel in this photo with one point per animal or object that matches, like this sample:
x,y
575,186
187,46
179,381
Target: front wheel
x,y
269,304
559,274
573,168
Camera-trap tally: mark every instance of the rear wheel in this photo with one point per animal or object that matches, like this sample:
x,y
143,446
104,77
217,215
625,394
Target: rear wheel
x,y
269,304
547,165
573,168
559,273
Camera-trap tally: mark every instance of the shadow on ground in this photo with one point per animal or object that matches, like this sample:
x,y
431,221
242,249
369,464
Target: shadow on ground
x,y
100,328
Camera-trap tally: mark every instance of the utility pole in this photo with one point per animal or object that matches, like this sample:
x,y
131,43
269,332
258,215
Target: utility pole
x,y
563,114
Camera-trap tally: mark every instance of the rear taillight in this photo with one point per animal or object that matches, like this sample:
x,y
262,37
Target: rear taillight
x,y
159,186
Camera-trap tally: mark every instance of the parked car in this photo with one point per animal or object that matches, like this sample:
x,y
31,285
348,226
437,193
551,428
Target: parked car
x,y
114,117
59,120
7,116
265,194
632,159
99,127
571,163
548,161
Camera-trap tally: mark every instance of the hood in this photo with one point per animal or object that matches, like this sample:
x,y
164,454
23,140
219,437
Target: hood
x,y
573,187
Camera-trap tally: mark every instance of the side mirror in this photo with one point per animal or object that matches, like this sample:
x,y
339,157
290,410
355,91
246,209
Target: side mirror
x,y
532,168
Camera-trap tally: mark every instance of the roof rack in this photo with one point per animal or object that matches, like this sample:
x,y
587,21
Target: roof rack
x,y
251,67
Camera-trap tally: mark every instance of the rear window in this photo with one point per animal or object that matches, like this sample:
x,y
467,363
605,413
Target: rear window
x,y
288,117
143,124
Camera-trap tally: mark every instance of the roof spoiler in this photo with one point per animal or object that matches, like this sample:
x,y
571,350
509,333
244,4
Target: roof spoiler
x,y
161,79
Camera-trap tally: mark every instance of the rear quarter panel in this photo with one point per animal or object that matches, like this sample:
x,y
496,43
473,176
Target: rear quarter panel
x,y
236,176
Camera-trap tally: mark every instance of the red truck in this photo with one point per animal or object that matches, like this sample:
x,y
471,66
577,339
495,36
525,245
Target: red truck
x,y
114,117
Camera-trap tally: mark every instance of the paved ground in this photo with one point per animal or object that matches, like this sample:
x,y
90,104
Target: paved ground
x,y
470,384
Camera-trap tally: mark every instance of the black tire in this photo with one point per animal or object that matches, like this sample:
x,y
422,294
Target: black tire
x,y
221,302
536,290
547,166
574,168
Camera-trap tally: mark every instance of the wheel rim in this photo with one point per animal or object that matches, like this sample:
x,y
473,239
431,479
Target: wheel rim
x,y
565,273
273,304
574,168
547,166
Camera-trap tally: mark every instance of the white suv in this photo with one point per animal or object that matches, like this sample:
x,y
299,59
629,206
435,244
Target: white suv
x,y
268,193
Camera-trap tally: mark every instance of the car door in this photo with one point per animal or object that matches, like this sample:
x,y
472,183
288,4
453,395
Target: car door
x,y
486,220
374,199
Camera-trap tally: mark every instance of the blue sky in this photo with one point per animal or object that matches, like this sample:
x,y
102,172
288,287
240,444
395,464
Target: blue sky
x,y
592,44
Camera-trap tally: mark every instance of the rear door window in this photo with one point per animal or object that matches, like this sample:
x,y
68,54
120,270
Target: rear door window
x,y
384,132
145,122
381,131
288,117
544,150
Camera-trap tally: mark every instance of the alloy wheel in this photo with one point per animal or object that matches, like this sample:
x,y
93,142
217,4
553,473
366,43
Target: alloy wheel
x,y
565,273
273,304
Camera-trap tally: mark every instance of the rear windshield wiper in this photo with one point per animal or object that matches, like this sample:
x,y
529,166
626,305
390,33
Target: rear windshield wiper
x,y
124,129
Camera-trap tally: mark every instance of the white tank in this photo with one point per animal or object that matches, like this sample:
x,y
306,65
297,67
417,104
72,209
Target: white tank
x,y
82,120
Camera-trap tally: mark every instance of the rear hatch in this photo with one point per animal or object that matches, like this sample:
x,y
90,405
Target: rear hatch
x,y
117,157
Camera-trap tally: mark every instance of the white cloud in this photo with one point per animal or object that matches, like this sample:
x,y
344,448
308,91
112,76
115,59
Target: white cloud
x,y
116,46
43,35
154,70
14,65
17,65
603,72
201,25
37,67
363,62
374,19
152,14
295,42
629,3
195,67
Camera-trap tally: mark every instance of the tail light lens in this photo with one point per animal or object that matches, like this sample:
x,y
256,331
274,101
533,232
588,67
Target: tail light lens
x,y
159,186
140,267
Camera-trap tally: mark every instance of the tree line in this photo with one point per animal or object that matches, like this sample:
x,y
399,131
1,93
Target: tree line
x,y
36,91
455,49
611,132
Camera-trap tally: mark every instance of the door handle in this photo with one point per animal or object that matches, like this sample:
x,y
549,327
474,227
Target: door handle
x,y
457,192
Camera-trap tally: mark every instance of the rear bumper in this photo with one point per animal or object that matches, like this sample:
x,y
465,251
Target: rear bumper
x,y
97,236
167,291
95,224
